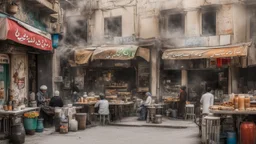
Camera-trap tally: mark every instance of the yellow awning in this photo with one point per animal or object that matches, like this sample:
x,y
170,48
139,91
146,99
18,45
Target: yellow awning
x,y
238,50
82,56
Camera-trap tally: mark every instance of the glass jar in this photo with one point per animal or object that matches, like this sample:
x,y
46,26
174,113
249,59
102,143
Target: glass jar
x,y
241,102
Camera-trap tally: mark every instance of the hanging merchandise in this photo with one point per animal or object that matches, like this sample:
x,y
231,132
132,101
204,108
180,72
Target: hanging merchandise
x,y
219,62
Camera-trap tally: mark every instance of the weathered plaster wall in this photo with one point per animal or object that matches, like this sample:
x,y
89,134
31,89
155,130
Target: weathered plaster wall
x,y
240,23
19,76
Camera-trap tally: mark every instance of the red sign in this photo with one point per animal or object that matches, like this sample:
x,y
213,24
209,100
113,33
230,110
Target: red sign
x,y
21,35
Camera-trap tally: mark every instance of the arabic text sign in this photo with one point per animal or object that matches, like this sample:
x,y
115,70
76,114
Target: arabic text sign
x,y
206,53
115,53
124,40
26,37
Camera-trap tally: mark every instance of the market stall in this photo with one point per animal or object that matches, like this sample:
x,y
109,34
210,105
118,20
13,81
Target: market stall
x,y
240,107
119,72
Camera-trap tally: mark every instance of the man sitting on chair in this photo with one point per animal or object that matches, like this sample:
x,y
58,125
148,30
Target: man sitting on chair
x,y
103,105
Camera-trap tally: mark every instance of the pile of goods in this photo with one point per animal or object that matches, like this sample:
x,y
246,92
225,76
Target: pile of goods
x,y
171,99
238,103
63,129
87,100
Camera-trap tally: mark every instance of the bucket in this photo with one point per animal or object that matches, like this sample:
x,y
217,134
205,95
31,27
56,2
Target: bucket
x,y
174,113
81,119
30,125
17,134
40,125
231,138
158,119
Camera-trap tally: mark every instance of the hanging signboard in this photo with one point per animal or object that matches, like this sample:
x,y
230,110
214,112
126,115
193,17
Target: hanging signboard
x,y
4,59
125,40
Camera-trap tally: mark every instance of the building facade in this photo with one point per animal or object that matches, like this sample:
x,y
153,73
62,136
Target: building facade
x,y
179,24
26,47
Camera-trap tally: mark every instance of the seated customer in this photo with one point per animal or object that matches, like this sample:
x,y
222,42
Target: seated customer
x,y
56,100
103,105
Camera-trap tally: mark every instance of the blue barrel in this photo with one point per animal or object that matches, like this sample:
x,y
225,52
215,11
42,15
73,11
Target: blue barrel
x,y
231,139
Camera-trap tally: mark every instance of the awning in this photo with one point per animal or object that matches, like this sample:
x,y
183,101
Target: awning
x,y
123,52
238,50
82,56
23,33
144,53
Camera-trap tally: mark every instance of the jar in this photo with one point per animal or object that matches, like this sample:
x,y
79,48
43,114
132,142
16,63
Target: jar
x,y
241,103
236,102
10,107
73,125
5,107
81,99
247,102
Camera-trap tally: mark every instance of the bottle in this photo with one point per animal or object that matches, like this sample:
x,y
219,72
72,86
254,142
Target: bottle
x,y
236,102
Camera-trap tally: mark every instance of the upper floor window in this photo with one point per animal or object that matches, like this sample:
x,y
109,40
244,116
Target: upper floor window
x,y
175,24
76,30
209,23
113,27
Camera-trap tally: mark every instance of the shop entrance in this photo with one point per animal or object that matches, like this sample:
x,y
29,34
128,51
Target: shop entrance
x,y
32,63
111,81
4,81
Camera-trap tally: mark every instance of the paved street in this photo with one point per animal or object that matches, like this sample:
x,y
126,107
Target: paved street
x,y
119,135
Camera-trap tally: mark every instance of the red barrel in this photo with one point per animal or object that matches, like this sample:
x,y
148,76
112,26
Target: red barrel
x,y
247,133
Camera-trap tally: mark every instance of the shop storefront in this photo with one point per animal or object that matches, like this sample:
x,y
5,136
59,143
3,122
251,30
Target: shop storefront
x,y
199,68
20,45
116,71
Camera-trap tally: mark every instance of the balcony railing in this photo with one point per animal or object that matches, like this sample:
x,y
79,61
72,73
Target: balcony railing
x,y
45,6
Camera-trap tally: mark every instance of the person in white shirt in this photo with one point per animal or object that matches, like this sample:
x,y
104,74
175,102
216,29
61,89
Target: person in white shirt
x,y
143,107
207,100
103,105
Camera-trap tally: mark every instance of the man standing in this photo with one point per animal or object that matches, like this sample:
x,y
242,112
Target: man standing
x,y
182,102
143,107
207,100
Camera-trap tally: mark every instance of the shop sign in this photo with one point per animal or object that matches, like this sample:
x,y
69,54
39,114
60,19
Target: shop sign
x,y
23,36
125,40
58,79
126,52
4,59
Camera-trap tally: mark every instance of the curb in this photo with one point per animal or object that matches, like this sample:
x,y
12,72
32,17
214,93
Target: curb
x,y
155,126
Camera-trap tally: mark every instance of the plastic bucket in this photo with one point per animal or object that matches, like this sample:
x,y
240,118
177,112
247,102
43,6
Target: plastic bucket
x,y
30,123
231,138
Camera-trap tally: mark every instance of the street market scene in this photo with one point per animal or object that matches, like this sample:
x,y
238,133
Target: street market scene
x,y
127,71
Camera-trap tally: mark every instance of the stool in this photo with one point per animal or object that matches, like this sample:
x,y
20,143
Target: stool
x,y
190,112
212,129
103,119
151,112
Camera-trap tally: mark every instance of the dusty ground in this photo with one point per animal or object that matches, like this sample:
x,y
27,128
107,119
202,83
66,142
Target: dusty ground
x,y
119,135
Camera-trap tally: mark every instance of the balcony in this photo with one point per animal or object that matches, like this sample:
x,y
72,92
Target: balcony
x,y
45,6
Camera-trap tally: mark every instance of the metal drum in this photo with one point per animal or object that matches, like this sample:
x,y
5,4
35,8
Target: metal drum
x,y
158,119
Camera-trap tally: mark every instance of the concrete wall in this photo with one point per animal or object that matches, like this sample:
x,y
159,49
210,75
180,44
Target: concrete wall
x,y
19,76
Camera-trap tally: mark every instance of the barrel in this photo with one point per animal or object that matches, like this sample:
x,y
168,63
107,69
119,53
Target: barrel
x,y
17,134
81,119
174,113
30,125
231,138
158,119
247,133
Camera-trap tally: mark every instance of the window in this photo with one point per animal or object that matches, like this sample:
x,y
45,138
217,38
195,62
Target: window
x,y
113,27
76,30
176,24
209,23
253,25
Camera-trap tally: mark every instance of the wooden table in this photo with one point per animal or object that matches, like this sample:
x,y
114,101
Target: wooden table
x,y
90,106
238,117
7,118
118,108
